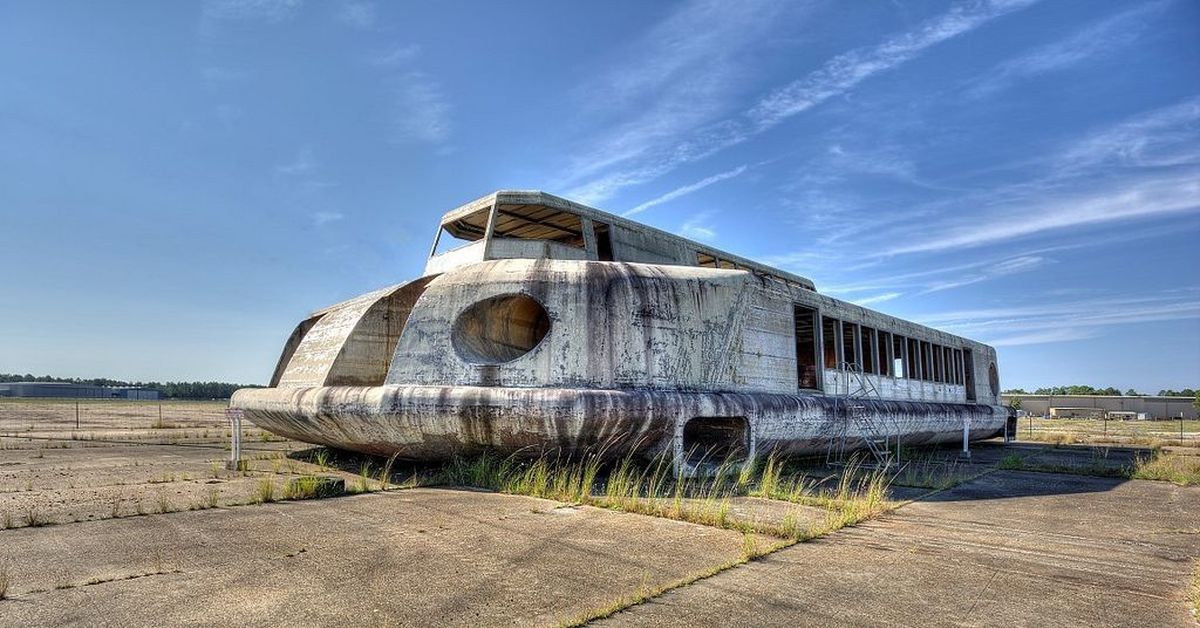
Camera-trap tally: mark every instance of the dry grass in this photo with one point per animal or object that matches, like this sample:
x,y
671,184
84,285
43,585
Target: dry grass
x,y
652,489
5,580
1159,465
35,517
264,491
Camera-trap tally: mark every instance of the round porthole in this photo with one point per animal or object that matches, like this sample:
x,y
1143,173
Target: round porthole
x,y
500,329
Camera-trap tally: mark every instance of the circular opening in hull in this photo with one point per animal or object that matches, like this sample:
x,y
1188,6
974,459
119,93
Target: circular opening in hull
x,y
500,329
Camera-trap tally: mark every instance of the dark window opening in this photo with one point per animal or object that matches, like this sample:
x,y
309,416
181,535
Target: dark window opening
x,y
715,440
830,336
969,373
948,360
807,370
850,346
885,353
938,367
899,363
914,359
867,342
994,379
604,250
926,361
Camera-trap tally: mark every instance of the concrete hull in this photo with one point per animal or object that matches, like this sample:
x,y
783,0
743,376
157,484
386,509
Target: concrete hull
x,y
439,422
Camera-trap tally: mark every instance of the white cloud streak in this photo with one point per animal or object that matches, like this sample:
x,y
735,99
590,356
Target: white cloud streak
x,y
1143,198
1063,321
320,219
879,298
1098,39
420,111
687,189
844,72
673,139
302,165
697,229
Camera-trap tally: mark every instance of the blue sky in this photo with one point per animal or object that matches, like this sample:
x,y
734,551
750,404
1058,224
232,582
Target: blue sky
x,y
180,183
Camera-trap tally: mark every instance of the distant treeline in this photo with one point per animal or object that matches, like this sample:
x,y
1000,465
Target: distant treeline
x,y
1088,390
170,390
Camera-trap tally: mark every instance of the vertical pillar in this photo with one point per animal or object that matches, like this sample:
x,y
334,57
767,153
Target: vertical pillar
x,y
235,449
966,450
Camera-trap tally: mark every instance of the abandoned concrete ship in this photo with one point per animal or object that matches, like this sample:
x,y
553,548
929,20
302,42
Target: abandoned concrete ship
x,y
541,324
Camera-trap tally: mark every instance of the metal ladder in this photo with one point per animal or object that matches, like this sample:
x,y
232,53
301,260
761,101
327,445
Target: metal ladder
x,y
874,429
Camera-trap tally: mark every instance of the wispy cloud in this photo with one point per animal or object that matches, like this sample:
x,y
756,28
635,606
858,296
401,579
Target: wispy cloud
x,y
687,189
420,111
1143,198
1098,39
879,298
360,15
682,74
303,164
945,277
1164,137
1011,266
397,55
697,228
1065,320
320,219
671,137
844,72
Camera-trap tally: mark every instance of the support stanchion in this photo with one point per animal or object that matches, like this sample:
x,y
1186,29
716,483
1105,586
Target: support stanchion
x,y
235,449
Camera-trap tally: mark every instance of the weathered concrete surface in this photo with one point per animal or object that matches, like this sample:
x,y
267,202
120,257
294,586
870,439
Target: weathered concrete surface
x,y
637,341
1008,549
416,557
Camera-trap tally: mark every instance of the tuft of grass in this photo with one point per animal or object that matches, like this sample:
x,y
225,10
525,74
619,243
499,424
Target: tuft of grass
x,y
1181,470
364,477
34,517
929,472
385,474
212,498
1012,462
265,491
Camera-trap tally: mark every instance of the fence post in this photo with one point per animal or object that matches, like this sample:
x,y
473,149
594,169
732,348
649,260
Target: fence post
x,y
76,415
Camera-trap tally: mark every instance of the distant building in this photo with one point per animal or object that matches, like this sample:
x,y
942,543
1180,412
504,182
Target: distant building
x,y
1099,406
76,391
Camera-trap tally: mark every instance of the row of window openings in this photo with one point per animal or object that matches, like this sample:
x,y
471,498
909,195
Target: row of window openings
x,y
871,351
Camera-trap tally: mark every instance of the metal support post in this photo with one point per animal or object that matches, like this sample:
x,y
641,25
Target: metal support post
x,y
966,450
235,450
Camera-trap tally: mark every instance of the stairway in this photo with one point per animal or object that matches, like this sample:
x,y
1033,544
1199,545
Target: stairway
x,y
853,388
